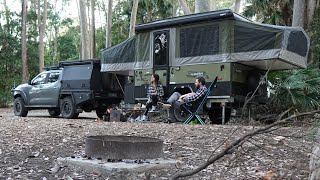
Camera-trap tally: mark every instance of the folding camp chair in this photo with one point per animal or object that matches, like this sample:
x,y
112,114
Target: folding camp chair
x,y
193,108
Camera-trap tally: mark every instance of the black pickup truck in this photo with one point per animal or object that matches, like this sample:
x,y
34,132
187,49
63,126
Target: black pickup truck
x,y
70,88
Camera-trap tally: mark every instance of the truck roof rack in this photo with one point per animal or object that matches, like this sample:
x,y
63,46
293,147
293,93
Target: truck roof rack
x,y
51,68
78,62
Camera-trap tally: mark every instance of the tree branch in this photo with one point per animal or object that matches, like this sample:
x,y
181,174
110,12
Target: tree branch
x,y
233,146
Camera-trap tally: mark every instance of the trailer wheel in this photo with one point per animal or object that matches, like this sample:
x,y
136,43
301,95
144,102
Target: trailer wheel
x,y
177,115
68,108
54,112
19,107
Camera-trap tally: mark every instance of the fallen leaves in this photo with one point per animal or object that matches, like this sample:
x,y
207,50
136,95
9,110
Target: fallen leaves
x,y
29,147
268,175
55,169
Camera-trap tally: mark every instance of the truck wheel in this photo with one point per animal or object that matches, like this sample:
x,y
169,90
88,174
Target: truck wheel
x,y
54,112
68,109
19,107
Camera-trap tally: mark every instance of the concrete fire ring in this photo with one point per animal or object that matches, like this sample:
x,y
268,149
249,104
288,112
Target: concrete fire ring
x,y
123,147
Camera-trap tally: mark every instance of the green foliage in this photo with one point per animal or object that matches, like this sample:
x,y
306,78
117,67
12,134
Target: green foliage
x,y
10,57
278,12
297,88
10,45
226,4
120,22
148,10
100,41
69,44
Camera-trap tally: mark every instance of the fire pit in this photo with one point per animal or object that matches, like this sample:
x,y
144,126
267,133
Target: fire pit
x,y
123,147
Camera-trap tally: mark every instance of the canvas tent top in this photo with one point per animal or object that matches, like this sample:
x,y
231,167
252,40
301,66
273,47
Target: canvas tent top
x,y
211,37
189,19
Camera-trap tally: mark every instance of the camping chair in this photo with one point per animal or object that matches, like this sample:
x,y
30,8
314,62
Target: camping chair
x,y
193,108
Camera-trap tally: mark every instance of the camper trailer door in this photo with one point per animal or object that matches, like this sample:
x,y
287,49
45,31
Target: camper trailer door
x,y
161,56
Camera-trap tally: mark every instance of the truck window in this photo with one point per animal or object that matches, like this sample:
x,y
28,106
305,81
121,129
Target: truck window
x,y
41,79
53,77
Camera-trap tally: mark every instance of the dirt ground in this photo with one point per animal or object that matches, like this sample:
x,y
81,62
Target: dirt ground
x,y
30,146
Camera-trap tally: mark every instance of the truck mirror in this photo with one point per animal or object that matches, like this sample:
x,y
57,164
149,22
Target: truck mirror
x,y
29,82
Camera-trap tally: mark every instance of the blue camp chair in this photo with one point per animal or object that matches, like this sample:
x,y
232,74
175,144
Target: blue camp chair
x,y
193,108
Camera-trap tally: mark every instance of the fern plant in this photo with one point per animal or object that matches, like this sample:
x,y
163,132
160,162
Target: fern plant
x,y
299,89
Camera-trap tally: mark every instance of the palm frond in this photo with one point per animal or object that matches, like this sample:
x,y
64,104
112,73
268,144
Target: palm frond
x,y
299,89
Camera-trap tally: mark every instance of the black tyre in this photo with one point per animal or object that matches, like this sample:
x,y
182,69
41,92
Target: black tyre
x,y
54,112
68,108
180,115
19,107
176,115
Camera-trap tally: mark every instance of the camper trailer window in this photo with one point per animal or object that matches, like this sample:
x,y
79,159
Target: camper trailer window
x,y
245,39
161,48
300,48
199,40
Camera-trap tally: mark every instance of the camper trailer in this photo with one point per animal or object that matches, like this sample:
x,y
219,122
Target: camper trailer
x,y
218,43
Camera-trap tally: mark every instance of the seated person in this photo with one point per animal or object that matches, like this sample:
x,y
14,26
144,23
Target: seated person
x,y
176,99
155,93
114,115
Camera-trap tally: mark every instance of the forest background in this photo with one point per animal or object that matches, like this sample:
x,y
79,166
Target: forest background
x,y
39,33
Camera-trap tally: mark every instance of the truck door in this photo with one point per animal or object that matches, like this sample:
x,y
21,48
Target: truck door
x,y
36,96
161,56
51,90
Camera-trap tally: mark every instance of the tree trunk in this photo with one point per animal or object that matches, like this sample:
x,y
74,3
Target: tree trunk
x,y
237,6
133,18
184,7
93,30
88,2
80,43
85,44
213,5
33,8
33,5
42,27
109,24
298,13
55,41
25,71
311,10
55,45
38,15
202,6
7,16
